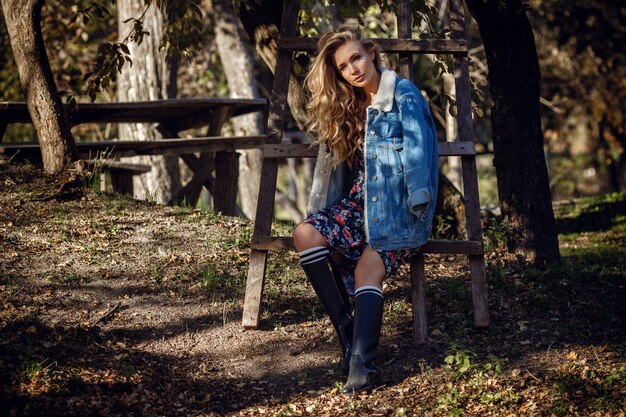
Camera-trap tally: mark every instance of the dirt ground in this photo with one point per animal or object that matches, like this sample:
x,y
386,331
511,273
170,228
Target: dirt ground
x,y
116,307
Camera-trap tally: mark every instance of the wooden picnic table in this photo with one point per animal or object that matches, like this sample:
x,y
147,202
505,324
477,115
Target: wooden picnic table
x,y
174,114
172,117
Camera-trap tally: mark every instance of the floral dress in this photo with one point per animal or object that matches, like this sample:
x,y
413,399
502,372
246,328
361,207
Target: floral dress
x,y
343,226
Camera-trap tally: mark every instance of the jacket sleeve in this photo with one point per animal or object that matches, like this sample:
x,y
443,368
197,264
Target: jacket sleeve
x,y
420,142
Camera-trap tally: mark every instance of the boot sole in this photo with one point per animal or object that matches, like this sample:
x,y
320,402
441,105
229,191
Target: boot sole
x,y
376,382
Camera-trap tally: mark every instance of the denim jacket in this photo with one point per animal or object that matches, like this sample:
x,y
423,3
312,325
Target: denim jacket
x,y
400,150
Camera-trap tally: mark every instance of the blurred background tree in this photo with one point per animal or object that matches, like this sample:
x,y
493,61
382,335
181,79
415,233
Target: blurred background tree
x,y
582,51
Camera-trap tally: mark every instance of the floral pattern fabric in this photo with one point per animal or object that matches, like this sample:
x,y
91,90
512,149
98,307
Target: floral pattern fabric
x,y
343,226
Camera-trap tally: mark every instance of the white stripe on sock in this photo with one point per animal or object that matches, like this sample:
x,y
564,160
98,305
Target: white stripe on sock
x,y
313,249
314,255
311,255
369,289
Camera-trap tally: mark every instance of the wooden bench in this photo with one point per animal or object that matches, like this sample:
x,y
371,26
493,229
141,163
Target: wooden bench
x,y
172,117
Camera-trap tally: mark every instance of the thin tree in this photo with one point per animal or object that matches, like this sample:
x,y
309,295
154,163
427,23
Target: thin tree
x,y
152,76
23,20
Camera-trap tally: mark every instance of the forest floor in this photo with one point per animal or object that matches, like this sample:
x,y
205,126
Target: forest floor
x,y
115,307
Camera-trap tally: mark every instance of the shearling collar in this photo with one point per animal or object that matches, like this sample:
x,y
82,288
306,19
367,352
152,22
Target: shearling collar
x,y
386,89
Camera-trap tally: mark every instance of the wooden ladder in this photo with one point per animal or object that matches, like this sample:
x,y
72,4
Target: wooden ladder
x,y
261,242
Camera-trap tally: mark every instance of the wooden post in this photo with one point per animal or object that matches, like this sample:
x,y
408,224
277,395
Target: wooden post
x,y
403,18
470,175
418,299
267,186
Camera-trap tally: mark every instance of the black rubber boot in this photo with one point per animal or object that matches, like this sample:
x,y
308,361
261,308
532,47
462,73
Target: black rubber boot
x,y
331,290
368,314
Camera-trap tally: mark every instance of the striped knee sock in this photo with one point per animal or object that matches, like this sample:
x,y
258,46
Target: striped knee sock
x,y
314,254
369,289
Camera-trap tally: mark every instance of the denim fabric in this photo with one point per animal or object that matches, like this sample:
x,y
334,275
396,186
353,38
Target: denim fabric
x,y
401,168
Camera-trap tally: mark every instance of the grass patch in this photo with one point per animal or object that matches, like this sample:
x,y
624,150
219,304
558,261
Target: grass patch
x,y
32,368
68,279
218,284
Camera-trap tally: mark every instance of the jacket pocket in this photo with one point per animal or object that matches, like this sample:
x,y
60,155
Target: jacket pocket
x,y
395,143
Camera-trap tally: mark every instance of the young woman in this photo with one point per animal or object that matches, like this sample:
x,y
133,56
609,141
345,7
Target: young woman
x,y
374,190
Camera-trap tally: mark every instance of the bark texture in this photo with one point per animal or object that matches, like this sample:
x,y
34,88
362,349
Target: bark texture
x,y
151,77
23,20
454,172
238,67
523,183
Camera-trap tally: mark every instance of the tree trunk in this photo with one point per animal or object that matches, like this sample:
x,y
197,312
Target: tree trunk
x,y
238,67
152,76
454,172
23,20
519,160
261,19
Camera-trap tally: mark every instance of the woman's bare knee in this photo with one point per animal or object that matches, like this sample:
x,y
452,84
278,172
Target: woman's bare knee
x,y
370,270
305,236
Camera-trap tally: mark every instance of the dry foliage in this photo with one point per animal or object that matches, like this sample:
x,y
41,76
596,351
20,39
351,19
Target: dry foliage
x,y
117,307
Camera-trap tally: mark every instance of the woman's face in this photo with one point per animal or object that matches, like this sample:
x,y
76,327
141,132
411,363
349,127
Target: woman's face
x,y
356,65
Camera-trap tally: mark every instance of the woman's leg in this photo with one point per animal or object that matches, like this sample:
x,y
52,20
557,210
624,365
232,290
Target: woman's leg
x,y
305,236
329,287
370,270
368,314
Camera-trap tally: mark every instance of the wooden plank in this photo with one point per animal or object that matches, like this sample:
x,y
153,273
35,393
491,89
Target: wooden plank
x,y
267,185
418,299
306,150
191,191
254,289
272,242
290,150
479,291
465,247
457,47
470,187
116,166
191,160
202,174
177,146
185,113
156,147
464,120
456,148
403,17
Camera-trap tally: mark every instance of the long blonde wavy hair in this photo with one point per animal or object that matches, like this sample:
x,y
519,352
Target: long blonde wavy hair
x,y
335,108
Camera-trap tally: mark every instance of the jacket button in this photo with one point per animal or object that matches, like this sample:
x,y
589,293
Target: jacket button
x,y
377,244
375,219
372,132
375,156
374,178
374,198
375,112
